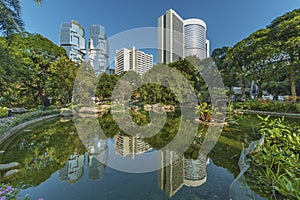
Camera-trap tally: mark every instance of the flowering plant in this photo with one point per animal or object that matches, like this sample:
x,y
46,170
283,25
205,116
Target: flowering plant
x,y
8,192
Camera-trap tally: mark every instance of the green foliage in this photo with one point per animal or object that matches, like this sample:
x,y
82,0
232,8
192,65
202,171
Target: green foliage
x,y
52,107
3,112
10,17
262,57
18,119
275,167
262,105
106,85
297,106
205,111
33,67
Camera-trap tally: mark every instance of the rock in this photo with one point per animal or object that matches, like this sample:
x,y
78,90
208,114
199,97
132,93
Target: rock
x,y
89,110
66,112
18,110
9,166
11,172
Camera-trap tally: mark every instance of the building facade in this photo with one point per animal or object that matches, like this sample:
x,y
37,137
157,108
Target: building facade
x,y
195,42
178,38
132,59
98,49
72,39
170,37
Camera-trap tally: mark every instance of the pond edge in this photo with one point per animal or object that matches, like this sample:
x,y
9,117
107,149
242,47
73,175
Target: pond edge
x,y
23,125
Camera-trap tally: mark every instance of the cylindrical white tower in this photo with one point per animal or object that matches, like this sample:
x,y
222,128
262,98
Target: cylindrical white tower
x,y
195,38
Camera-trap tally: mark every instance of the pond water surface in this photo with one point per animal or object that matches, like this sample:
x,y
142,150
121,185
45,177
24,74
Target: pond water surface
x,y
56,163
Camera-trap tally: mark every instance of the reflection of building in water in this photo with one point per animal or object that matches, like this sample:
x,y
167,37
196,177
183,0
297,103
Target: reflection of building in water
x,y
170,177
181,171
129,145
98,153
195,171
73,169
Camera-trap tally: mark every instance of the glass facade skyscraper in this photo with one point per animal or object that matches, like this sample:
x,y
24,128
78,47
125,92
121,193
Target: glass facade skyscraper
x,y
72,39
195,38
98,49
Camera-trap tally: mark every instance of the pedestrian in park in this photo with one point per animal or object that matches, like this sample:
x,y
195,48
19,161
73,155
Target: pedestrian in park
x,y
46,103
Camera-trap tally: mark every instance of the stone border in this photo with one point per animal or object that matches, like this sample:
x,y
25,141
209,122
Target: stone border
x,y
21,126
276,114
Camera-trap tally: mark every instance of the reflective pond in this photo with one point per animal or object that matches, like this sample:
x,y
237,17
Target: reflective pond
x,y
56,162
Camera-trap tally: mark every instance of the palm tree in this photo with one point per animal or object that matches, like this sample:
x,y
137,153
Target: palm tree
x,y
10,17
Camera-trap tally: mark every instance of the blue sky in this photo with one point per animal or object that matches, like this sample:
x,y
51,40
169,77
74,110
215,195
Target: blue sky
x,y
227,21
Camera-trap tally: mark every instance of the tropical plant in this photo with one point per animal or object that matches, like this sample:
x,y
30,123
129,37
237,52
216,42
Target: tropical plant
x,y
275,167
205,111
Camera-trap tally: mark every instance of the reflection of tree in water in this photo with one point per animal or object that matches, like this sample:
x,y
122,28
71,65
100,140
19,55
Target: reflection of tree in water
x,y
43,151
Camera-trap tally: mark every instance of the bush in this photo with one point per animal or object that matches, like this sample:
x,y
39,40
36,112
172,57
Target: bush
x,y
52,107
297,107
265,105
18,119
3,112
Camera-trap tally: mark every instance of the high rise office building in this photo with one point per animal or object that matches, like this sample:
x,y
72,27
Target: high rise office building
x,y
98,49
72,39
170,37
195,42
132,59
180,38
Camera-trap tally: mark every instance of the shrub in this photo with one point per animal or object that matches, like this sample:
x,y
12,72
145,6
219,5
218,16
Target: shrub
x,y
297,107
265,105
52,107
18,119
3,112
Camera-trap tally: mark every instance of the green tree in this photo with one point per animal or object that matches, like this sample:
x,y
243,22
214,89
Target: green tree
x,y
227,72
10,17
285,32
106,85
32,67
63,72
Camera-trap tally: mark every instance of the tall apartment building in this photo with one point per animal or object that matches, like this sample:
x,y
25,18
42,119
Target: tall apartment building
x,y
72,39
132,59
98,49
180,38
170,37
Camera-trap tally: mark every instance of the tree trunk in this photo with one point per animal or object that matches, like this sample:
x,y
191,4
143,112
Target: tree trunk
x,y
242,88
293,83
293,78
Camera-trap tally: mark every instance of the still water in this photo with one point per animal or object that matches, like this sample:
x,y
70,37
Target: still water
x,y
57,163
